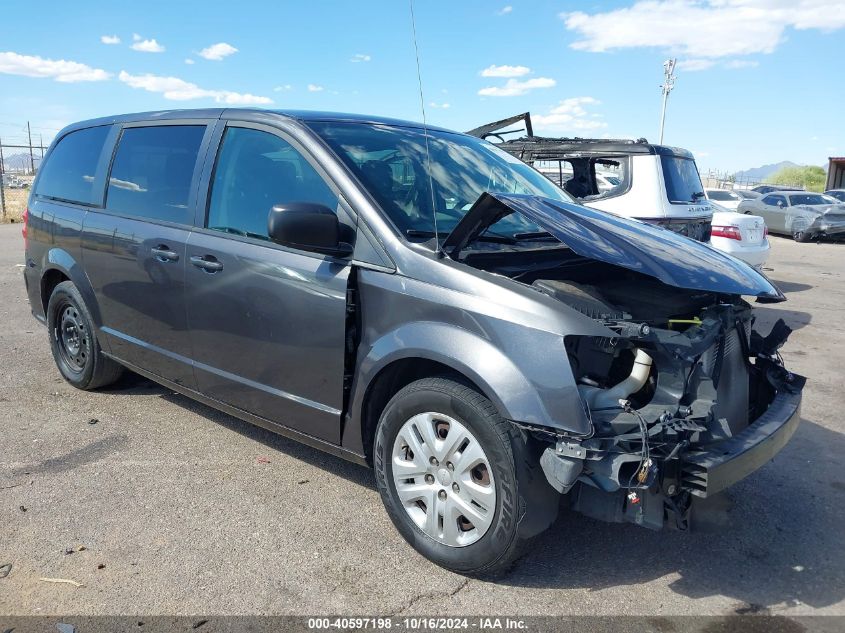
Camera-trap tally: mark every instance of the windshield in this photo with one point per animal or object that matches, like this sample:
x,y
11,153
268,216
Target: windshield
x,y
683,185
391,163
810,198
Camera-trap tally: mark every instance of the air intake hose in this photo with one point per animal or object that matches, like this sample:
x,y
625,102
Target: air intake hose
x,y
608,398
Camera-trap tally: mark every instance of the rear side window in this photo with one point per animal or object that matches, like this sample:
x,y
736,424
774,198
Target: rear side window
x,y
152,172
588,178
256,170
68,173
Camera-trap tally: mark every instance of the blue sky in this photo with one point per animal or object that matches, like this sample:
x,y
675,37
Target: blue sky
x,y
759,81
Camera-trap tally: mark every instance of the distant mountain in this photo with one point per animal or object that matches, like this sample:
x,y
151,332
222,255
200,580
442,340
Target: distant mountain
x,y
20,162
764,172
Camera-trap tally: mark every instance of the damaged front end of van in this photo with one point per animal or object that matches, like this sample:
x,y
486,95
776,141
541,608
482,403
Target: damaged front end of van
x,y
683,396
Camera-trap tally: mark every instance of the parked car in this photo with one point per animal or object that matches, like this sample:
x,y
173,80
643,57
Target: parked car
x,y
11,181
741,235
415,300
770,188
839,194
657,184
724,197
747,194
804,215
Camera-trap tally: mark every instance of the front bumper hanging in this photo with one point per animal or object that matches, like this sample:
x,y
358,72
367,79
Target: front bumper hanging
x,y
711,470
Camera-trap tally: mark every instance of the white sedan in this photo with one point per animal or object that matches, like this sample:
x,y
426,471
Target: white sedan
x,y
724,197
743,236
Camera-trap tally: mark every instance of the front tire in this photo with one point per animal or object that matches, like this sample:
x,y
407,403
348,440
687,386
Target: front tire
x,y
73,341
445,468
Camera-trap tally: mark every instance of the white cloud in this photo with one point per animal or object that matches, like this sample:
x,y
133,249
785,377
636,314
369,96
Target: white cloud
x,y
702,28
315,88
515,88
504,10
570,115
110,39
146,46
176,89
189,61
505,71
360,57
284,88
692,65
441,106
218,51
56,69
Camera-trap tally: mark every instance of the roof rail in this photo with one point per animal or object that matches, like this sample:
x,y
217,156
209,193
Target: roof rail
x,y
496,129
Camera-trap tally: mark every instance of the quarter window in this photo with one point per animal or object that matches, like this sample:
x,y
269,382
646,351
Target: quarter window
x,y
68,174
152,172
256,170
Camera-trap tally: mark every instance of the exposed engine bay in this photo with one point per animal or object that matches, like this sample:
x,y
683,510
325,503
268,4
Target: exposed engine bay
x,y
684,373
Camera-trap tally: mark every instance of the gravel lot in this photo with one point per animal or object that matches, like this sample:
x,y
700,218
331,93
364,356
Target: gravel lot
x,y
171,497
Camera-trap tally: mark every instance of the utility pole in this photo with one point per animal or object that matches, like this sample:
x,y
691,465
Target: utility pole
x,y
31,158
668,84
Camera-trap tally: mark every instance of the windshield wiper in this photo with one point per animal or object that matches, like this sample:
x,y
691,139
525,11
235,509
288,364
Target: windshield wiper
x,y
484,237
697,195
534,235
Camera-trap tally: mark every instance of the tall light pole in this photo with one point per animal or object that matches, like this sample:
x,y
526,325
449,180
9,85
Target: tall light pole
x,y
668,84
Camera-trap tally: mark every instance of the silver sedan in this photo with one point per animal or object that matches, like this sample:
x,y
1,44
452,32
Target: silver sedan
x,y
803,215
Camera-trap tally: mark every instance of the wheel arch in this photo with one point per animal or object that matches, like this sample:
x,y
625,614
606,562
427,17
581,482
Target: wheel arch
x,y
425,349
58,265
389,381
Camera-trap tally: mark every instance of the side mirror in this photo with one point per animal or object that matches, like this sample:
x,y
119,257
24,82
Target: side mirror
x,y
780,204
308,227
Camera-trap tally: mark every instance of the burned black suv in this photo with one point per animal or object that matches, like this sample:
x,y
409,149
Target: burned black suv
x,y
415,300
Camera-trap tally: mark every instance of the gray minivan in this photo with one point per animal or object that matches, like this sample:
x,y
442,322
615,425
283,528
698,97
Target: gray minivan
x,y
415,300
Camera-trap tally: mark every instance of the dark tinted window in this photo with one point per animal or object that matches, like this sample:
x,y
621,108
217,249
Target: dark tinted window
x,y
839,195
256,170
774,200
152,171
68,173
808,198
683,184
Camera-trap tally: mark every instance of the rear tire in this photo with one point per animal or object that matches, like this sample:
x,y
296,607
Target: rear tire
x,y
73,341
800,236
465,429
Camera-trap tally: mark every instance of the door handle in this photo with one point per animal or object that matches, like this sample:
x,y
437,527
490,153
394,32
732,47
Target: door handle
x,y
163,253
207,262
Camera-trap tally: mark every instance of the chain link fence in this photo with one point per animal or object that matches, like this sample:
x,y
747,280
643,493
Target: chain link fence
x,y
715,179
19,162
